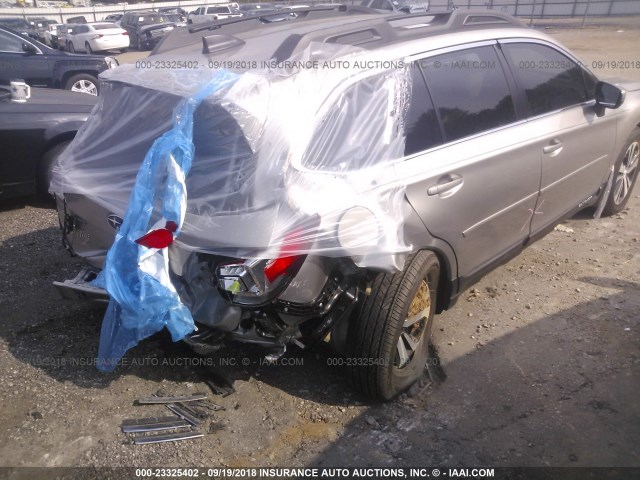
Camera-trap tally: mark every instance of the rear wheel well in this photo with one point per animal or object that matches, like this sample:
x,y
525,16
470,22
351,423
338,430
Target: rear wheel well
x,y
67,75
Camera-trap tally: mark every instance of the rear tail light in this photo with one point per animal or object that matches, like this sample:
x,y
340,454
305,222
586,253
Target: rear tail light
x,y
125,33
99,35
159,238
267,277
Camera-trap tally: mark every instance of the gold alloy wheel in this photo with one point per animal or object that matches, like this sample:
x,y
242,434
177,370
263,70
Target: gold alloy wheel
x,y
414,326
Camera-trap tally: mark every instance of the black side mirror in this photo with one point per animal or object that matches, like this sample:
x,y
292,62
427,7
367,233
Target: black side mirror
x,y
609,96
29,49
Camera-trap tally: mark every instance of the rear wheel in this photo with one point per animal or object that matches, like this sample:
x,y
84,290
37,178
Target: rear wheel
x,y
388,344
87,48
624,176
45,170
83,83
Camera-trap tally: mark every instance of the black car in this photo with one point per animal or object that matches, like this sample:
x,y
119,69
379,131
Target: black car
x,y
33,134
40,66
19,25
146,29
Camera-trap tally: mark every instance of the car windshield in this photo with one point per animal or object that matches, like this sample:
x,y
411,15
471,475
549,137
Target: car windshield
x,y
152,19
15,23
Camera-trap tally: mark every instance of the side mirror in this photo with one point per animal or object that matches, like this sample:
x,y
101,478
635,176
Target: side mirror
x,y
29,49
609,96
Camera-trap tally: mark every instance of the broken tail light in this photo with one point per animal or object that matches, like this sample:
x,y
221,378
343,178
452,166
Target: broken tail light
x,y
267,277
160,237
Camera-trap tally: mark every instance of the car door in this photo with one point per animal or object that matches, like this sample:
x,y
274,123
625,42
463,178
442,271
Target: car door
x,y
575,144
22,141
16,63
475,182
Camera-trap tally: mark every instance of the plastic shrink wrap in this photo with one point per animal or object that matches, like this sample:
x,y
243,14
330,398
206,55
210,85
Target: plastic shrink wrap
x,y
275,162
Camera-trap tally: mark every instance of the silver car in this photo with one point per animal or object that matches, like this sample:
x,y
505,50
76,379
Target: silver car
x,y
352,175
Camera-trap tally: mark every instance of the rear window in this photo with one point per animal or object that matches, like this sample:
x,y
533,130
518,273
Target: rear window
x,y
211,10
151,19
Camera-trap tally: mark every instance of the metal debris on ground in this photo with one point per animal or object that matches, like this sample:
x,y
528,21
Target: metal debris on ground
x,y
135,425
185,414
191,412
153,399
170,437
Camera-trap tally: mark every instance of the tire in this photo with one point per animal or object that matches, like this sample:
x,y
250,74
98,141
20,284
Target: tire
x,y
71,48
83,83
45,169
87,48
378,335
123,50
625,175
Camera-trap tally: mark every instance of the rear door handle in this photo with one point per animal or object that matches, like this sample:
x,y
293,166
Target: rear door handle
x,y
555,146
449,183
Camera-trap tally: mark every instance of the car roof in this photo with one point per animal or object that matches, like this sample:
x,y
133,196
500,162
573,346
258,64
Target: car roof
x,y
251,38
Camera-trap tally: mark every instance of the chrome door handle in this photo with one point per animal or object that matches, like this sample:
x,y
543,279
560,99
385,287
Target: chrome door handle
x,y
438,188
554,146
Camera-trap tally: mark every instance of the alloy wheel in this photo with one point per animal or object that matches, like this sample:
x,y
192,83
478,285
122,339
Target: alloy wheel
x,y
414,326
85,86
624,178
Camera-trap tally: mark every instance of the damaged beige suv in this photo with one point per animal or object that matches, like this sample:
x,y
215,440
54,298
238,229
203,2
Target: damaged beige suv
x,y
336,178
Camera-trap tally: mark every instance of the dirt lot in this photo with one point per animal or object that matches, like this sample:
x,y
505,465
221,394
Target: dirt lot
x,y
541,359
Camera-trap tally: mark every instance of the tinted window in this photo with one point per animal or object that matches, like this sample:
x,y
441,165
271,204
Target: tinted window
x,y
10,43
421,123
550,80
469,90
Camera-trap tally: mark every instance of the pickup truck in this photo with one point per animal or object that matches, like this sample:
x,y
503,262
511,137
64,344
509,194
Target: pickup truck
x,y
214,12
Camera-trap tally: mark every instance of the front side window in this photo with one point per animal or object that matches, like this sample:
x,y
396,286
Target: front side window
x,y
469,90
550,80
10,43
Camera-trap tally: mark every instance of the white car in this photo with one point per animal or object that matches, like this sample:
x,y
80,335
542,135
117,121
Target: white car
x,y
215,12
97,37
51,35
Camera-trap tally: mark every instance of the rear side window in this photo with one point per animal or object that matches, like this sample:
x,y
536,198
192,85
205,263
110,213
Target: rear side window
x,y
469,90
421,122
550,80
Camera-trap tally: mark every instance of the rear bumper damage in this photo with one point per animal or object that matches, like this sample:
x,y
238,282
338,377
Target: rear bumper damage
x,y
80,287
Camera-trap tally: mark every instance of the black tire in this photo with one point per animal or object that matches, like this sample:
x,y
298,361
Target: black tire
x,y
123,50
71,48
625,175
84,83
373,339
87,49
45,169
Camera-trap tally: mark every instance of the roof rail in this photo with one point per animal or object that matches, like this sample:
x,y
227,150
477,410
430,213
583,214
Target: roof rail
x,y
300,12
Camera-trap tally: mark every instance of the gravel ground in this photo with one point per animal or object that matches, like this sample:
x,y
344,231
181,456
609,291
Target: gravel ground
x,y
541,361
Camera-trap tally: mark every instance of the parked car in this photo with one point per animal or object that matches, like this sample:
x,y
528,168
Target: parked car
x,y
19,25
41,66
344,203
97,37
41,27
115,18
213,12
146,29
173,10
33,134
177,19
51,35
253,9
399,6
